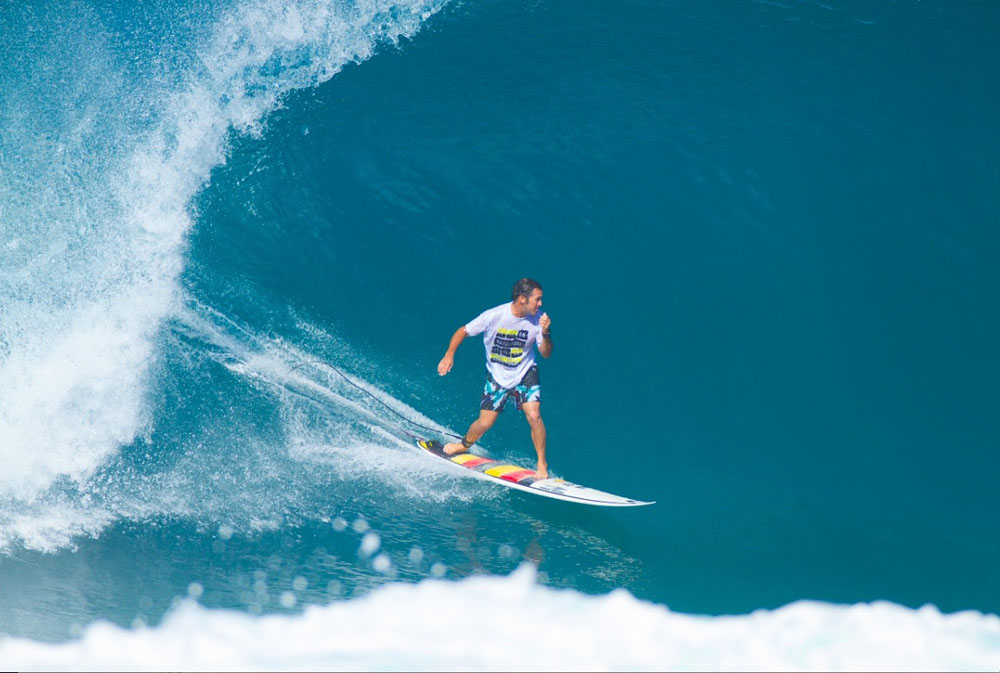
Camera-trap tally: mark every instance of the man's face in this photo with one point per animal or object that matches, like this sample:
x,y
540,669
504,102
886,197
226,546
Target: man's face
x,y
534,302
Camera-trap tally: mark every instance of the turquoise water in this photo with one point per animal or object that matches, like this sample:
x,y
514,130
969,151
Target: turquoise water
x,y
767,234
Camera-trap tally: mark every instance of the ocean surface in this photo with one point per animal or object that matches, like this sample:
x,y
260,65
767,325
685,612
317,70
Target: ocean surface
x,y
235,238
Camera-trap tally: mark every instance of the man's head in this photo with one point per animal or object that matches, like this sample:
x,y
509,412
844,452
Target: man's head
x,y
527,296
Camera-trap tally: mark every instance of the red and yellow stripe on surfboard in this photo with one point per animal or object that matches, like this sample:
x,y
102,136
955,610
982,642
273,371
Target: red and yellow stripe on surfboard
x,y
469,460
512,473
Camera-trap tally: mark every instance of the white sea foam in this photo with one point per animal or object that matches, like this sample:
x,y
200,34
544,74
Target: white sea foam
x,y
330,417
95,223
512,623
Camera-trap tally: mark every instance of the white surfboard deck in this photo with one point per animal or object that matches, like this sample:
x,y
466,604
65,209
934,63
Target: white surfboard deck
x,y
523,479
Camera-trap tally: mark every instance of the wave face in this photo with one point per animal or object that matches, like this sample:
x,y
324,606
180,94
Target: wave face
x,y
486,627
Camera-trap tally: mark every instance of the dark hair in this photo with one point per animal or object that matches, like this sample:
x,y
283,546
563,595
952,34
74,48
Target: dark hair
x,y
524,287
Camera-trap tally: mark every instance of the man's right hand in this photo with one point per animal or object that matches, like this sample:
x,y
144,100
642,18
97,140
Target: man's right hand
x,y
447,362
449,355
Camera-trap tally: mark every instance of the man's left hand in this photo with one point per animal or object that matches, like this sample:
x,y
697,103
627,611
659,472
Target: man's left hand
x,y
545,322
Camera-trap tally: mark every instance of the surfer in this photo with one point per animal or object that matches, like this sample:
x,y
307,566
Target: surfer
x,y
510,332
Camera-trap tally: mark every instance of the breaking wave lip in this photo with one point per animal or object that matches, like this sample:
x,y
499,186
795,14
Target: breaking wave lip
x,y
78,353
513,623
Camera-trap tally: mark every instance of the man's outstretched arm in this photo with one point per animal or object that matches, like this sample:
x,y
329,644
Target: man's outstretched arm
x,y
448,361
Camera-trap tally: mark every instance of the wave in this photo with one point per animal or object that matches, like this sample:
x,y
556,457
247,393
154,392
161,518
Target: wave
x,y
339,437
96,214
512,623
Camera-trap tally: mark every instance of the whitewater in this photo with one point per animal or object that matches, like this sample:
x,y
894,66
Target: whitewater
x,y
511,623
92,273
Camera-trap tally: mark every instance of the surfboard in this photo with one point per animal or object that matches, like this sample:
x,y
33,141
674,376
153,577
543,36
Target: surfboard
x,y
523,479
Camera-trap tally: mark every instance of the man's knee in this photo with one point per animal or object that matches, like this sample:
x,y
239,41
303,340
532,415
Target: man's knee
x,y
532,413
487,419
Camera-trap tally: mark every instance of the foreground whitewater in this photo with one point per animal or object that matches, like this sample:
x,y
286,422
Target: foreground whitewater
x,y
512,623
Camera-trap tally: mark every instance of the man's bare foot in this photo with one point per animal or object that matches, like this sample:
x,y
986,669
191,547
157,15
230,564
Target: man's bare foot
x,y
542,471
454,448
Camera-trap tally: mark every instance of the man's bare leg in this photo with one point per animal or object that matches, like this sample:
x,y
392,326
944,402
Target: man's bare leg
x,y
533,414
476,430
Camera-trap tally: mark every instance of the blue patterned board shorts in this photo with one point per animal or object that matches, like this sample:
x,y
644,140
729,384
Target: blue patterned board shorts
x,y
528,390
